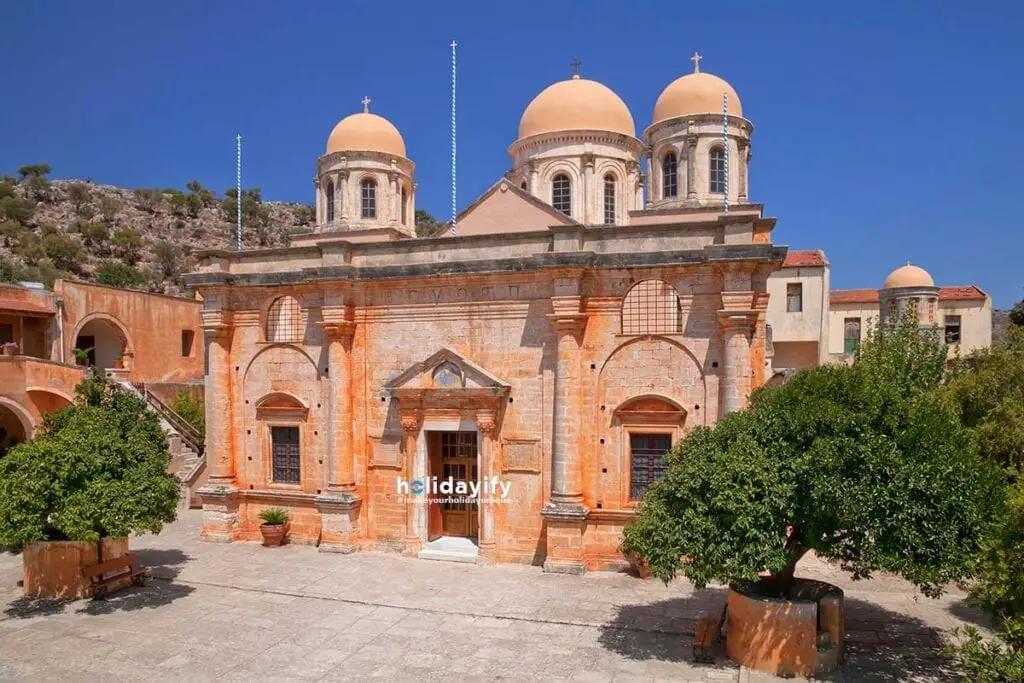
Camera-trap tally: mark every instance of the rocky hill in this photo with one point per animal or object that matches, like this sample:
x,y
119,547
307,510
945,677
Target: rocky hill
x,y
143,238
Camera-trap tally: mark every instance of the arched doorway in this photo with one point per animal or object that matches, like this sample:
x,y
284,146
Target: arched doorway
x,y
103,342
13,428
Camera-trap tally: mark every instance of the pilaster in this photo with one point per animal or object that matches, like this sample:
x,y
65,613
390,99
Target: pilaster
x,y
219,495
737,327
486,424
412,419
691,168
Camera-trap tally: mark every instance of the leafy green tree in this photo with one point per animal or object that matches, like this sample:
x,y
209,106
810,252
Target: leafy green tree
x,y
64,251
865,465
427,225
43,271
255,216
34,171
109,206
17,209
1017,314
304,214
30,247
9,271
206,197
177,203
191,409
114,274
79,196
128,243
168,255
98,468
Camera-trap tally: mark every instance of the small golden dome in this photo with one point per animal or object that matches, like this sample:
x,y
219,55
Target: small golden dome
x,y
908,276
696,93
576,104
366,132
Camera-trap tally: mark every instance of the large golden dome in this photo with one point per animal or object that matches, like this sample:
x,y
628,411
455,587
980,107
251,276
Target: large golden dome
x,y
696,93
366,132
576,104
908,276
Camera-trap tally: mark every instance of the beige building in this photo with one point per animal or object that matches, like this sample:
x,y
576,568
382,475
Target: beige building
x,y
810,323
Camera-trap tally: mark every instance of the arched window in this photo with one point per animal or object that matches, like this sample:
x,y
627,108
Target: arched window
x,y
651,307
522,186
561,194
369,197
405,208
669,176
330,201
718,170
609,199
284,320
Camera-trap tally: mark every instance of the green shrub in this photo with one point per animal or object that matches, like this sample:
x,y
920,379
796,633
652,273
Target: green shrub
x,y
97,468
986,661
191,409
114,274
16,209
274,516
64,251
79,196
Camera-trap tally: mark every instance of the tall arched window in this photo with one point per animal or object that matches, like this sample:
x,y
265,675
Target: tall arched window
x,y
561,194
522,186
330,201
405,208
609,199
284,320
369,197
669,176
718,170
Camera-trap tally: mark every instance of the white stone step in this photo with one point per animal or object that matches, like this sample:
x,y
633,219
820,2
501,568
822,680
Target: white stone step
x,y
451,549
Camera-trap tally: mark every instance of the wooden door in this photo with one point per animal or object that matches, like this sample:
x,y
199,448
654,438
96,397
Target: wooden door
x,y
460,512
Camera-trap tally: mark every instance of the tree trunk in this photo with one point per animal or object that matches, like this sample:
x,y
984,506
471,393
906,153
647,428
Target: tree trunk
x,y
781,582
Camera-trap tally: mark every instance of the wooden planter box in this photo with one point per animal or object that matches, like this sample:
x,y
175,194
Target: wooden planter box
x,y
799,636
53,569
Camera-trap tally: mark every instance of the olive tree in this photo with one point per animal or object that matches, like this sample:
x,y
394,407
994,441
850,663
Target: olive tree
x,y
864,465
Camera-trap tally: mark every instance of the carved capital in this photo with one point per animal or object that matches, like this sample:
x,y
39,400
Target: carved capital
x,y
342,331
217,323
486,422
411,420
316,183
691,140
737,321
588,160
568,323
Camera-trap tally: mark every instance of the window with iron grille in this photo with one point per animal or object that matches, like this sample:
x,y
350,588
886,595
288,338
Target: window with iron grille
x,y
952,324
284,446
651,307
718,170
647,461
609,199
851,335
669,176
284,320
330,202
794,297
369,196
561,194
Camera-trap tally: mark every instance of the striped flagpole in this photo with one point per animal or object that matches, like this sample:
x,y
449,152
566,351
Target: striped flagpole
x,y
453,46
725,146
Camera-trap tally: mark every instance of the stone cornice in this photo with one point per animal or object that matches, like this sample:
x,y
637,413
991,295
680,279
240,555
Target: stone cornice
x,y
715,118
571,137
715,253
351,159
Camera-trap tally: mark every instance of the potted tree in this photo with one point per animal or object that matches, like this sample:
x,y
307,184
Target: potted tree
x,y
865,465
10,349
95,473
81,355
274,527
119,362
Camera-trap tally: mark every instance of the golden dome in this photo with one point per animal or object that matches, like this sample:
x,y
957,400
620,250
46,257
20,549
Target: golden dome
x,y
908,276
576,104
366,132
696,93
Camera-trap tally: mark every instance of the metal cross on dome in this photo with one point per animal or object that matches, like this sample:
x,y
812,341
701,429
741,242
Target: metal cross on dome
x,y
576,64
366,103
696,62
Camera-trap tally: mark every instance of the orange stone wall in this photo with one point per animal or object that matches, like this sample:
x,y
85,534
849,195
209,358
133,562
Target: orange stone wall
x,y
53,569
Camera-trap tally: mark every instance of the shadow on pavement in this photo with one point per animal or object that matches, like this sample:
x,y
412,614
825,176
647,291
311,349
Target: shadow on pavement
x,y
159,591
881,645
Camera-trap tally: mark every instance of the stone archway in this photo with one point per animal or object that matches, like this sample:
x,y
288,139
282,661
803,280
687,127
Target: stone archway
x,y
104,339
15,425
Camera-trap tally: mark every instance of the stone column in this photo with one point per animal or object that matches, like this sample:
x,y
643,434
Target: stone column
x,y
586,215
393,199
650,178
737,326
220,494
534,179
629,198
319,202
691,167
487,426
743,147
339,505
411,421
565,515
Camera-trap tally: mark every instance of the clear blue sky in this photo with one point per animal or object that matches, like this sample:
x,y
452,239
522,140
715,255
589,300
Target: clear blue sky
x,y
885,132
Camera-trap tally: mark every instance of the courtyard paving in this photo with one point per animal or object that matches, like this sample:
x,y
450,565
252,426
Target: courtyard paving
x,y
244,612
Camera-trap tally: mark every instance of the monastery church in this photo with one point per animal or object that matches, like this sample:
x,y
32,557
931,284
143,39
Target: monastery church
x,y
558,342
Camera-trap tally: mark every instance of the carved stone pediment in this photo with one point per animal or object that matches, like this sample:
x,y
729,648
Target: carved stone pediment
x,y
447,380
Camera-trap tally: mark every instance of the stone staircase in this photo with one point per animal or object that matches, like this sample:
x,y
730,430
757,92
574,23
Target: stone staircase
x,y
184,443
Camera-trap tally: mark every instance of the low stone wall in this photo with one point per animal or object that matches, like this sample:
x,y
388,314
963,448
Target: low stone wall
x,y
799,636
53,569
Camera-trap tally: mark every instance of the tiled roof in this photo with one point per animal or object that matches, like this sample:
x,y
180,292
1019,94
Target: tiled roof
x,y
870,296
26,307
807,258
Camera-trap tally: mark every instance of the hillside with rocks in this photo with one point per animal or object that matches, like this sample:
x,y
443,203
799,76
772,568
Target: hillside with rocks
x,y
142,238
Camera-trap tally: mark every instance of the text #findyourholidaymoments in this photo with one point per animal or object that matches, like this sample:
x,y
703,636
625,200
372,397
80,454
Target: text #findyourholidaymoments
x,y
450,486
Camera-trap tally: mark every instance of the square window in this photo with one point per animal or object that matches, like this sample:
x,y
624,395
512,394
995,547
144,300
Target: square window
x,y
284,446
188,339
647,461
952,324
794,297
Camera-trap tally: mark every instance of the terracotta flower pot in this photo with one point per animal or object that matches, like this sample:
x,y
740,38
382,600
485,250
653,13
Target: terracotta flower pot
x,y
639,565
273,534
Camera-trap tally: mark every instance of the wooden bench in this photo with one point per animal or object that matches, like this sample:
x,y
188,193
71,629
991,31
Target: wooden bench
x,y
706,639
120,568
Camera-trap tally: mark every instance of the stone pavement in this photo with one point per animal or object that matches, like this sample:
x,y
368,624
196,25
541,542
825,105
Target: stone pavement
x,y
244,612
